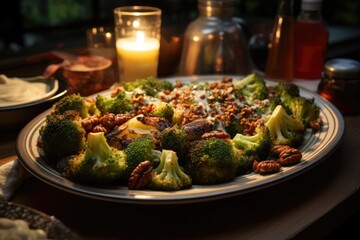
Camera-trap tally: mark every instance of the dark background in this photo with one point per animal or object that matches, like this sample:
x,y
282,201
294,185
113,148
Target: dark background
x,y
33,26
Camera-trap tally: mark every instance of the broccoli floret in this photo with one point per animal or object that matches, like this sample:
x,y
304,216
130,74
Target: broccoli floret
x,y
234,127
99,163
211,161
286,90
303,109
121,103
251,87
244,160
174,138
168,174
284,129
62,135
75,102
150,85
139,150
257,145
163,110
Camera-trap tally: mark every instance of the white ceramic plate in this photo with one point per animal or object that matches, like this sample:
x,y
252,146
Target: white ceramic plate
x,y
316,148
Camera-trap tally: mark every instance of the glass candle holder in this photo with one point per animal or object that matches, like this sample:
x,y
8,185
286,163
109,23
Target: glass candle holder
x,y
101,42
137,32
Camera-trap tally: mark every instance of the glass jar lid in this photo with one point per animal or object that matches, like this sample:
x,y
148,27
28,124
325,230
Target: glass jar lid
x,y
343,68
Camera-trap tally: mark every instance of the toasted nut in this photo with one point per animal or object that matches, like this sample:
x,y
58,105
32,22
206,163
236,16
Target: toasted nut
x,y
277,149
220,135
290,156
141,175
266,167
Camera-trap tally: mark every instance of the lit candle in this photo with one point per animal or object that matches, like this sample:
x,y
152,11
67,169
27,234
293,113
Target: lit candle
x,y
138,56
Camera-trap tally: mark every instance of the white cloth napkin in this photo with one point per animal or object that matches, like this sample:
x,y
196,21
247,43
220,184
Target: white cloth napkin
x,y
11,177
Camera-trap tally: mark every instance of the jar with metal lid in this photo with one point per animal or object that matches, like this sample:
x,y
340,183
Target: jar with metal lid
x,y
340,84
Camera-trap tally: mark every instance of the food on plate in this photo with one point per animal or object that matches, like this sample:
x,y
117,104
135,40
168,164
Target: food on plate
x,y
168,175
167,136
62,135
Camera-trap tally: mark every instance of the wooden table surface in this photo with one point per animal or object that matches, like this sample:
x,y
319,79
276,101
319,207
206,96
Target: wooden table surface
x,y
306,206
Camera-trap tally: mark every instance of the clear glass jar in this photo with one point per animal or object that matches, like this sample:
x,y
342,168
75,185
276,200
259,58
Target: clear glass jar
x,y
215,42
340,84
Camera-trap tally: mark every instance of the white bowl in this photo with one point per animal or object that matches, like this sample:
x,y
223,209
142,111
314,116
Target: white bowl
x,y
17,115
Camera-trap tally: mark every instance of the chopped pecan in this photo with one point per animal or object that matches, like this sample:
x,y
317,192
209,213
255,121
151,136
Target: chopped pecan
x,y
108,120
277,149
141,175
90,122
266,167
218,134
290,156
100,128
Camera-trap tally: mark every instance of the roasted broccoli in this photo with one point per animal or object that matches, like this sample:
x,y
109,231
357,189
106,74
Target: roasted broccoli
x,y
139,150
174,138
98,163
251,87
163,110
121,103
234,127
244,160
169,175
257,145
62,135
84,105
303,109
211,161
150,85
284,129
250,148
286,89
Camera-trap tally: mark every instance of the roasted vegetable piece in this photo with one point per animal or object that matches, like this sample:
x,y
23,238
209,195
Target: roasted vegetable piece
x,y
303,109
299,107
150,85
85,106
251,87
163,110
195,129
98,163
62,135
136,127
284,129
257,145
169,175
174,138
121,103
211,161
139,150
285,90
265,107
244,161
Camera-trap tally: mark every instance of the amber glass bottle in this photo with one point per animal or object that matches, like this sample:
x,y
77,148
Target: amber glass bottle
x,y
311,38
280,60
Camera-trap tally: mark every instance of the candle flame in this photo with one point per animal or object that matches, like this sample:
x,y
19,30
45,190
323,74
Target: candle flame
x,y
136,24
140,37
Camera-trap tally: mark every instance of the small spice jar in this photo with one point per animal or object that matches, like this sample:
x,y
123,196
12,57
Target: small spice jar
x,y
340,84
